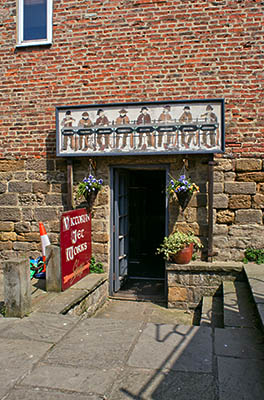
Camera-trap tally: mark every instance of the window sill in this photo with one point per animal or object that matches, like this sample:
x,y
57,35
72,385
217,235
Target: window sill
x,y
34,43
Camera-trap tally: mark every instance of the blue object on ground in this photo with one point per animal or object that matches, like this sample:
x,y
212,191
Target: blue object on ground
x,y
36,267
40,275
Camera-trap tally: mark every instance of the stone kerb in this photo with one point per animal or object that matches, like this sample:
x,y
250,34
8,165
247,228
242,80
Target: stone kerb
x,y
17,288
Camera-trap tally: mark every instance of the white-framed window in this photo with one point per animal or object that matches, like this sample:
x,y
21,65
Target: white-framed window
x,y
34,22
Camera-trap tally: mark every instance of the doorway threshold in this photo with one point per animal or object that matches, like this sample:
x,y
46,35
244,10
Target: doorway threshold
x,y
143,278
142,289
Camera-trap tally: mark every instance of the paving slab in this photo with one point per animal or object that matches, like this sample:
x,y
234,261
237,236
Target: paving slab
x,y
6,322
239,342
96,343
145,384
17,358
240,379
42,327
176,347
123,310
47,394
143,311
158,314
84,380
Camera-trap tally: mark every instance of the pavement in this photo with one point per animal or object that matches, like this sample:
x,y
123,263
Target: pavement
x,y
128,350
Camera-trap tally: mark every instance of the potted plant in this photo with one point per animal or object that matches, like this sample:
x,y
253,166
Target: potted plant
x,y
88,188
178,247
184,188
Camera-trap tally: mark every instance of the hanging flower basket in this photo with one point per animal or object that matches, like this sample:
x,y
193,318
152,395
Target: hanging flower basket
x,y
184,199
89,188
90,198
183,188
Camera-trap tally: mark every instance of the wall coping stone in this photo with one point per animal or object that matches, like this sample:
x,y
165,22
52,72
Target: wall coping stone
x,y
198,266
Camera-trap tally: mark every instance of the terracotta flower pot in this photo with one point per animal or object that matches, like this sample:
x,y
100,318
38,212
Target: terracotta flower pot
x,y
183,256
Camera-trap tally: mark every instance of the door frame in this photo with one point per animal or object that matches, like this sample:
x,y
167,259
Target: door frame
x,y
149,167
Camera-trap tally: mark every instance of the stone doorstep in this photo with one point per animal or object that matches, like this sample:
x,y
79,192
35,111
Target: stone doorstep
x,y
63,302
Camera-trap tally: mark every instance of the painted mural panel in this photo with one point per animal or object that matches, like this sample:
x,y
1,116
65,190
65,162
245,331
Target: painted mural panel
x,y
145,128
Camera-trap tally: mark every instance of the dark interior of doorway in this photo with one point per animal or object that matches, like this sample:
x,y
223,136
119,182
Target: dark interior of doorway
x,y
146,202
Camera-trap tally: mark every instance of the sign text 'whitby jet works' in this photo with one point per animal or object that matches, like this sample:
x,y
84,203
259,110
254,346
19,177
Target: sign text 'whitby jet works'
x,y
75,244
193,126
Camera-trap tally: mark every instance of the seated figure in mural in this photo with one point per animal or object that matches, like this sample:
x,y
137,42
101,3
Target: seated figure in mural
x,y
210,118
68,122
85,122
122,119
186,118
102,120
165,118
143,119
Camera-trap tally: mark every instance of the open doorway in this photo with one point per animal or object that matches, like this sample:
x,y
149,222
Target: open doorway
x,y
139,225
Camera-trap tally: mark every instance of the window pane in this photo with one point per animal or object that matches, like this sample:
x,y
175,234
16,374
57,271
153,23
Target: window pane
x,y
35,19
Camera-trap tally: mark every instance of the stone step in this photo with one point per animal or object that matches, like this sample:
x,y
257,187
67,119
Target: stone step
x,y
255,276
238,307
206,315
212,314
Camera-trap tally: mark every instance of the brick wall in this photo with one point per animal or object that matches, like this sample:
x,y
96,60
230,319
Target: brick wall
x,y
136,50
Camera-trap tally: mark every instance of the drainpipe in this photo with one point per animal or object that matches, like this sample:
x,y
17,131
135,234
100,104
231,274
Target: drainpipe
x,y
211,164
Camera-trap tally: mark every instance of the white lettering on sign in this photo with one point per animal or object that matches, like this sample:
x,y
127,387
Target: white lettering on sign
x,y
72,251
66,223
77,234
80,219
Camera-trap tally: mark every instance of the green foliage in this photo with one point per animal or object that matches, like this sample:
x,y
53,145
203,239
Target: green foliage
x,y
254,255
177,241
96,267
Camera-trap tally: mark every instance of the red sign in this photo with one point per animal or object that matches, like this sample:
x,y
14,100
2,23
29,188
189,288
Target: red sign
x,y
76,248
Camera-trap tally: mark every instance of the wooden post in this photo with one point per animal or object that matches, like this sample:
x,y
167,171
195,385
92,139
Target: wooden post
x,y
70,184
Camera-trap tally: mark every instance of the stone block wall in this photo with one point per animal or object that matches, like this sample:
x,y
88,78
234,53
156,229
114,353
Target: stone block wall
x,y
30,191
238,207
33,191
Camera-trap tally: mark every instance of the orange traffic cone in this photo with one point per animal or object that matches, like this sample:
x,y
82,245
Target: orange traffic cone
x,y
44,242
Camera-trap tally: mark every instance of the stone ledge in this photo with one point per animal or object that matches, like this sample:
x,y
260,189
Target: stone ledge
x,y
63,302
204,266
